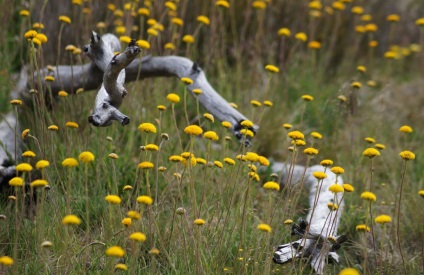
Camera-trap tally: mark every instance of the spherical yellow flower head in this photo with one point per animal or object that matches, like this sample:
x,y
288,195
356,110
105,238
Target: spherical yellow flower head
x,y
349,271
361,69
29,154
24,13
176,158
420,22
255,103
407,155
143,11
154,251
252,167
371,83
358,10
406,129
115,251
127,188
301,36
229,161
161,107
199,222
319,175
380,146
315,5
326,162
264,227
259,5
371,152
369,196
314,45
369,140
226,124
288,222
174,98
310,151
363,228
223,4
209,117
147,127
211,135
271,185
169,46
298,142
252,157
143,44
348,188
16,182
332,206
38,183
263,161
170,5
177,21
152,32
254,176
268,103
193,130
111,7
31,34
146,165
189,39
342,98
62,94
421,193
356,85
23,167
133,215
113,199
393,18
65,19
336,188
201,161
218,164
145,200
86,157
295,135
284,32
390,55
382,219
203,19
120,30
337,170
69,162
126,222
287,126
247,132
272,68
186,80
16,102
71,124
138,236
337,5
71,220
316,135
49,78
370,27
6,261
121,267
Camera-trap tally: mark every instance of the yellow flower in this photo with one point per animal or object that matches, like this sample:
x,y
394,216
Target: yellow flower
x,y
295,135
315,4
284,32
65,19
29,154
121,267
6,260
223,3
287,126
113,199
199,222
357,10
218,164
356,84
126,222
71,220
298,142
247,132
16,182
193,130
380,146
23,167
62,94
137,236
407,155
152,32
406,129
30,34
371,83
326,162
203,19
226,124
232,104
173,98
24,13
121,30
369,140
316,135
86,157
134,215
263,161
371,152
310,151
252,157
332,206
268,103
143,11
264,227
371,27
255,103
247,123
288,221
209,117
348,188
115,251
189,39
369,196
336,188
393,18
39,183
187,80
127,187
125,39
349,271
145,165
337,170
301,36
254,176
201,161
420,22
382,219
161,107
229,161
337,5
71,124
260,5
70,162
211,135
147,127
197,91
315,45
49,78
175,158
363,227
272,68
177,21
271,185
16,102
154,251
319,175
170,5
362,69
113,156
145,200
421,193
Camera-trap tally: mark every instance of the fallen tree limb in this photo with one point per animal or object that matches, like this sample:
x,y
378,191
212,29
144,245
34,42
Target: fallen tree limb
x,y
318,232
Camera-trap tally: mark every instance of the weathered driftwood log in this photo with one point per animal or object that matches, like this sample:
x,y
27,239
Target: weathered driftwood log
x,y
318,232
